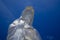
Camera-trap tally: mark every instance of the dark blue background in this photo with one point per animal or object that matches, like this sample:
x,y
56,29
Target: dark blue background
x,y
46,18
